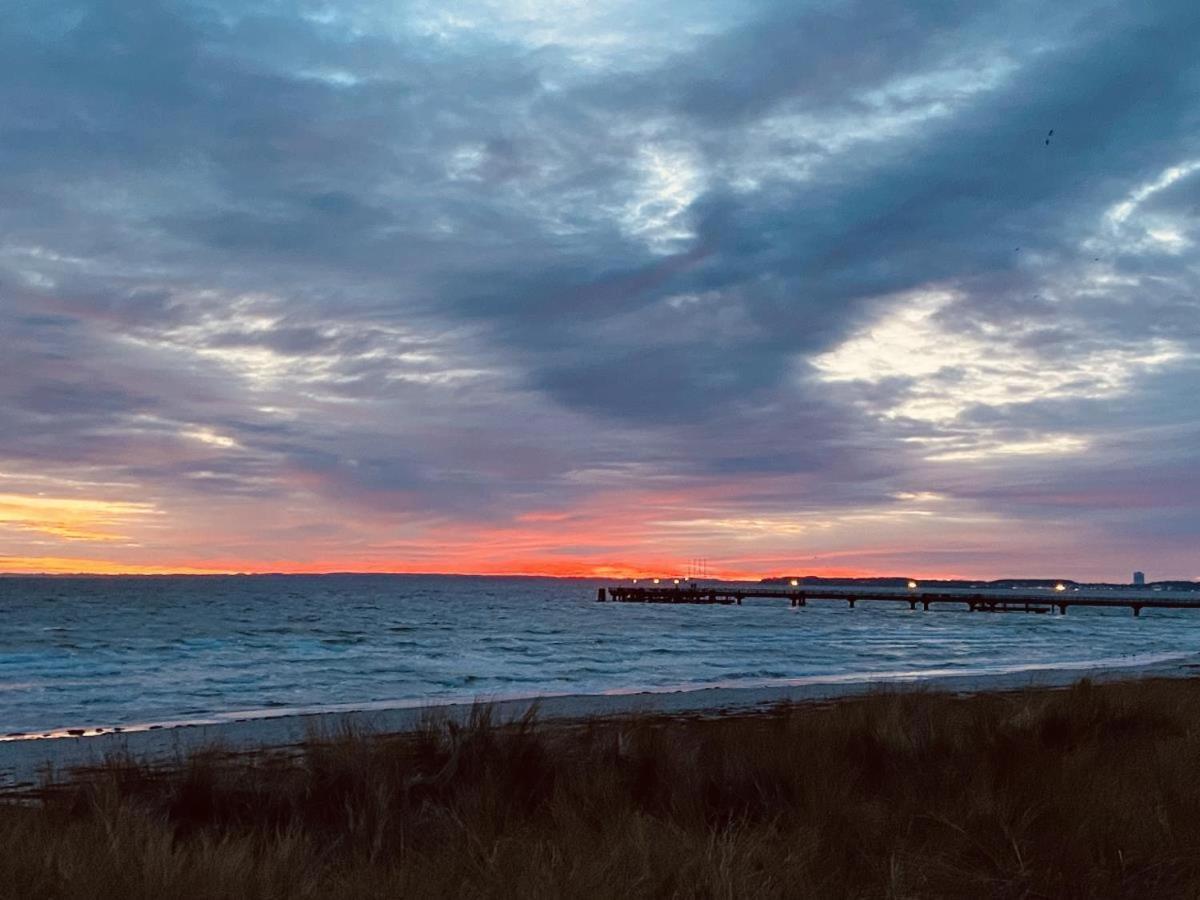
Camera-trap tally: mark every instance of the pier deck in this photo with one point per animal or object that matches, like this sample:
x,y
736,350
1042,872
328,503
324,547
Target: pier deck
x,y
975,601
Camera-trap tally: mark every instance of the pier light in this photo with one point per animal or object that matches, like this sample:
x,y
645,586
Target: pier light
x,y
912,585
1060,587
795,582
656,581
635,581
677,581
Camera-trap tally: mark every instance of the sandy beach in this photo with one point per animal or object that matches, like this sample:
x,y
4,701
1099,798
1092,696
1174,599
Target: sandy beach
x,y
26,759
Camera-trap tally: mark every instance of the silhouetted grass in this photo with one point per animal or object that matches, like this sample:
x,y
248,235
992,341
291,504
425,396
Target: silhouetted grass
x,y
1088,792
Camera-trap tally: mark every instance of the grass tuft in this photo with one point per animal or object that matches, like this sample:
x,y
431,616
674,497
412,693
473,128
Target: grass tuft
x,y
1088,792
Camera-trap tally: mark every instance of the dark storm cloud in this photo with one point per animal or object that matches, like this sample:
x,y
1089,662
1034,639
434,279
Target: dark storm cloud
x,y
447,268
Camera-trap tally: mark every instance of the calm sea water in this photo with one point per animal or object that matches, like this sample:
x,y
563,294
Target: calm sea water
x,y
115,651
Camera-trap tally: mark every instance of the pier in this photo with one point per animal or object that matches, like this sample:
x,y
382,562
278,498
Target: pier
x,y
974,601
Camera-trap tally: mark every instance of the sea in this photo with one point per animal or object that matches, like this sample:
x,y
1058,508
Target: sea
x,y
113,652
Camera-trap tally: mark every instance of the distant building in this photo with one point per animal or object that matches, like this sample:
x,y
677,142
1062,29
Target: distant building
x,y
1139,579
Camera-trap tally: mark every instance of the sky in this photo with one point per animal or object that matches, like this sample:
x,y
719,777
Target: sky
x,y
599,288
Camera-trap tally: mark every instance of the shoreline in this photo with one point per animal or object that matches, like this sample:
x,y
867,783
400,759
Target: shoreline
x,y
25,759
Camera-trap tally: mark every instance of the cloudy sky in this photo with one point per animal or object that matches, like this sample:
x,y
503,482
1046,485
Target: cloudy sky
x,y
600,287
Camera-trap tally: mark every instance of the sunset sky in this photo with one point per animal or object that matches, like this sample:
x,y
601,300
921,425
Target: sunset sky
x,y
600,287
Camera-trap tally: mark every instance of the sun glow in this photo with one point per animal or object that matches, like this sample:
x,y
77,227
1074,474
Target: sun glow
x,y
59,565
68,518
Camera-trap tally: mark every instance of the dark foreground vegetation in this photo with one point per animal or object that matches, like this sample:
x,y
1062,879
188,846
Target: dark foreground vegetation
x,y
1089,792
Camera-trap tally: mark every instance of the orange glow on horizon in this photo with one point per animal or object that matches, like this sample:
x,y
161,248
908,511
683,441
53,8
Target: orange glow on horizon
x,y
57,565
617,535
49,565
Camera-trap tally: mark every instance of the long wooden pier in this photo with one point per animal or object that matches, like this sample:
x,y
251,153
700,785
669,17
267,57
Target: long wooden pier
x,y
975,601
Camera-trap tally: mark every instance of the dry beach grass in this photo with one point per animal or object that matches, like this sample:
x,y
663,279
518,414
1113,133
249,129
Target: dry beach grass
x,y
1086,792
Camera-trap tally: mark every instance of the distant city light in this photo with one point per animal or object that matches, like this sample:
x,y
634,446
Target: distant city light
x,y
677,581
1060,587
656,581
912,585
795,582
635,581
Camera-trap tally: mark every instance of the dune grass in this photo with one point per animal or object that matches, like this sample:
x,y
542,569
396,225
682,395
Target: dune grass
x,y
1088,792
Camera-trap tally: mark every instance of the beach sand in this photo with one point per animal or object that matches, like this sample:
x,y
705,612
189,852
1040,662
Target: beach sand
x,y
26,759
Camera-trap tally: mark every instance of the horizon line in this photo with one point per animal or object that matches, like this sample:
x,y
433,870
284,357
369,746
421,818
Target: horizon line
x,y
184,573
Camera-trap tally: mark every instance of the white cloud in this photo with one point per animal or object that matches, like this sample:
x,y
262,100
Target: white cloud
x,y
1129,228
1049,445
671,179
952,372
1120,212
210,437
941,374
